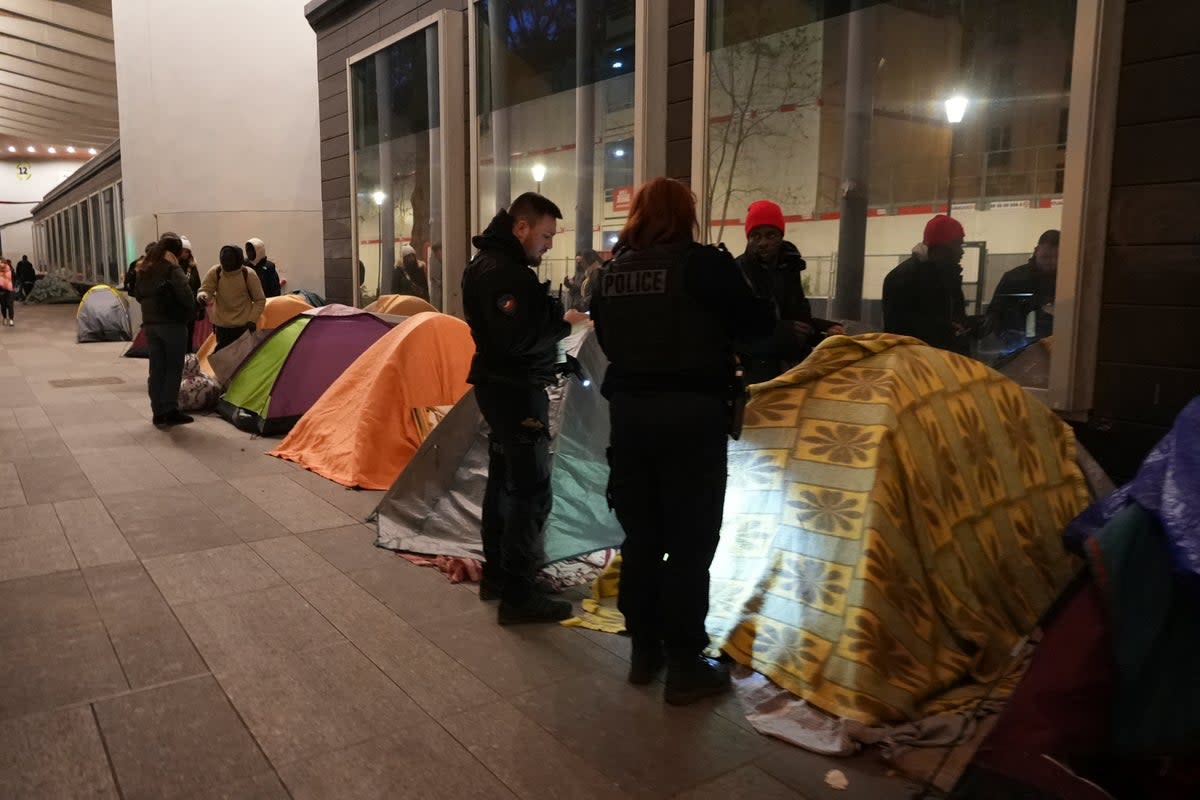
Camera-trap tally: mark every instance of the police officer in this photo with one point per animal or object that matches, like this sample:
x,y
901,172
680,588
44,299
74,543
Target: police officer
x,y
517,327
667,311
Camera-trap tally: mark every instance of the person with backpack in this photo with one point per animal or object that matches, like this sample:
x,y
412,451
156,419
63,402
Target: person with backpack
x,y
236,295
167,304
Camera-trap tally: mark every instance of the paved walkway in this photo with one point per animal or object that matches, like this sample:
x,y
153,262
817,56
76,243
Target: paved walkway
x,y
183,616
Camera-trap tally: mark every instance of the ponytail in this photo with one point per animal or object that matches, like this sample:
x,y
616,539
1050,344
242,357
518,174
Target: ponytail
x,y
157,253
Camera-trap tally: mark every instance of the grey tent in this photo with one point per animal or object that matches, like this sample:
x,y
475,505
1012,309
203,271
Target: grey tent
x,y
435,506
103,316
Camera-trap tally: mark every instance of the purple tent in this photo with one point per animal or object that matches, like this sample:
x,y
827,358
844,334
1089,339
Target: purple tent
x,y
290,370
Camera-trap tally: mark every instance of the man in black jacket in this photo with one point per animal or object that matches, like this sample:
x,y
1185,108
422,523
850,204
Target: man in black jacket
x,y
517,327
26,277
774,268
1028,289
923,296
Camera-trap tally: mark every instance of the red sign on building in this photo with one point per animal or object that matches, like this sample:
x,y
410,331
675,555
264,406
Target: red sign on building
x,y
622,198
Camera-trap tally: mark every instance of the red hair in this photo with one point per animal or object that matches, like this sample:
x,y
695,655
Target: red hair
x,y
664,211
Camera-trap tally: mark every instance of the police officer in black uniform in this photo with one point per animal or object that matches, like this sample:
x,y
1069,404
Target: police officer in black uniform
x,y
517,326
667,311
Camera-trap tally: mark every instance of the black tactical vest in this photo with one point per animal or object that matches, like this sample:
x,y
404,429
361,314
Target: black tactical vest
x,y
652,326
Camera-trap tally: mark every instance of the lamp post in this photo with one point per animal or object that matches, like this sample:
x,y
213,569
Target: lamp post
x,y
539,174
956,109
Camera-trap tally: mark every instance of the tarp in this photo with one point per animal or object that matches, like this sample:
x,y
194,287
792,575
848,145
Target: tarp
x,y
103,316
435,506
403,304
295,364
362,431
51,290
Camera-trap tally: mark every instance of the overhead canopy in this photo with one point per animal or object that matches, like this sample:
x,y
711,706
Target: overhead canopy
x,y
362,431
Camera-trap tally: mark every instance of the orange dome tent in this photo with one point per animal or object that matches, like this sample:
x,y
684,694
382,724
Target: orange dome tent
x,y
362,432
401,305
278,311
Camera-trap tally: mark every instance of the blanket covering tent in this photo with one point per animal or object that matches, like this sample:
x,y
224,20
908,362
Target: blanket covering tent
x,y
404,305
435,505
53,290
892,528
103,316
289,370
362,431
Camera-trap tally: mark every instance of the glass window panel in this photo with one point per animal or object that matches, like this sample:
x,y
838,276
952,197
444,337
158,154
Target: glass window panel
x,y
554,100
397,157
804,103
87,264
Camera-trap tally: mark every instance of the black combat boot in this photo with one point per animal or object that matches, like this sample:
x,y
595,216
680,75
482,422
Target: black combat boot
x,y
645,662
694,678
532,607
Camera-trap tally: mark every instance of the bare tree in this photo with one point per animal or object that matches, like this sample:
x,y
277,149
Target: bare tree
x,y
754,83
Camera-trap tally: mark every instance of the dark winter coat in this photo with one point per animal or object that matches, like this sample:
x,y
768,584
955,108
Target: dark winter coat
x,y
767,357
515,322
1022,290
925,300
164,294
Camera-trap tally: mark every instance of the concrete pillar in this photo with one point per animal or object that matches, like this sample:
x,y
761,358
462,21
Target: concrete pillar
x,y
220,138
585,125
501,134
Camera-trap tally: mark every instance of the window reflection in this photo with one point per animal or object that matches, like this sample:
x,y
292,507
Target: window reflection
x,y
397,158
841,120
554,111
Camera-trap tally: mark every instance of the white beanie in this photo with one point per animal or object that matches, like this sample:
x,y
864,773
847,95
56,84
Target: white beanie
x,y
407,250
186,244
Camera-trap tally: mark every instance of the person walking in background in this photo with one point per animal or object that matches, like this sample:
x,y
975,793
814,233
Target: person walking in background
x,y
774,268
235,294
8,284
167,304
517,326
26,277
264,268
667,311
923,295
1027,290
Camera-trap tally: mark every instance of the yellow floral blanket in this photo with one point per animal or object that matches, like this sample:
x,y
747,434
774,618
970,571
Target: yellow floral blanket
x,y
892,529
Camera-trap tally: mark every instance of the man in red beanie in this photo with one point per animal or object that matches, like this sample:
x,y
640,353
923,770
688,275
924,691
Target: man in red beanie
x,y
773,266
923,296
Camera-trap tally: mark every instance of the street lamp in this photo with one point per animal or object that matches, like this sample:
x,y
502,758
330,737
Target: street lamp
x,y
378,196
956,109
539,175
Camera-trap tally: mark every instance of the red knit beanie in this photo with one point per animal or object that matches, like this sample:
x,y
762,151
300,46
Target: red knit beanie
x,y
764,212
943,230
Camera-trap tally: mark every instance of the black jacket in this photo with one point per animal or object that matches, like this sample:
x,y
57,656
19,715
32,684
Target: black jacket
x,y
268,276
514,321
718,296
925,300
767,357
1022,290
25,271
164,294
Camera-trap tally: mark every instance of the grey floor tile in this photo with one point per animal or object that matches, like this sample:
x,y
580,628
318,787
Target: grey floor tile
x,y
97,465
357,503
529,760
513,660
261,787
32,543
51,755
186,468
418,594
438,683
293,506
319,700
246,631
188,577
13,447
175,740
805,772
238,512
45,443
631,735
11,493
748,781
46,602
49,480
423,761
95,538
350,548
49,669
150,643
293,559
81,437
184,532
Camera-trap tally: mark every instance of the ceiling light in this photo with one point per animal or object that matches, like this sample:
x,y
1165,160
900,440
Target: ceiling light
x,y
378,196
70,149
91,151
619,153
956,108
51,150
618,64
12,149
31,149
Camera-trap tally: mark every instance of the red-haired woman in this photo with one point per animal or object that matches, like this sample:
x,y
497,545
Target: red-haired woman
x,y
667,311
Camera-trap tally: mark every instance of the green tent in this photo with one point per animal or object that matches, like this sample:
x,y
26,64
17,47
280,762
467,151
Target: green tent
x,y
290,369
